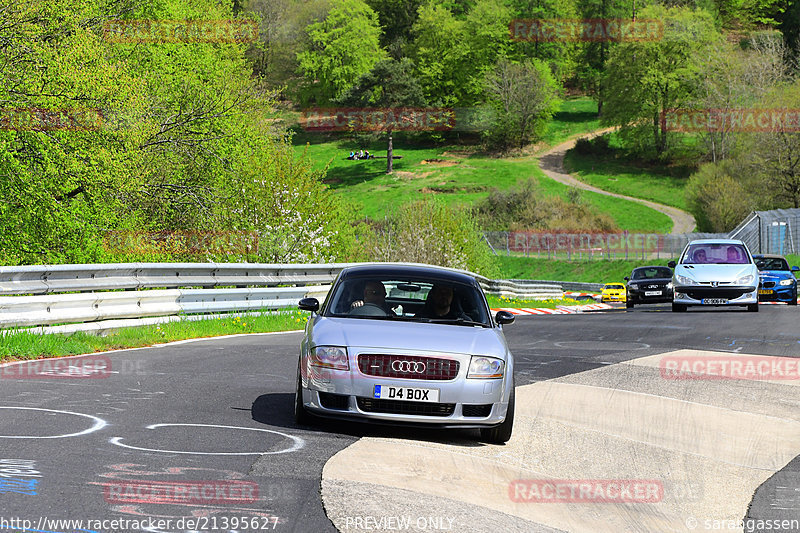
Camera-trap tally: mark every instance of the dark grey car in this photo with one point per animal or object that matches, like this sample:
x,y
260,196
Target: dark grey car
x,y
649,285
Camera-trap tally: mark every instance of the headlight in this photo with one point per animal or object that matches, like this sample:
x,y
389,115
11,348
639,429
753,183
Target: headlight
x,y
329,357
481,367
634,286
745,280
787,282
669,285
684,280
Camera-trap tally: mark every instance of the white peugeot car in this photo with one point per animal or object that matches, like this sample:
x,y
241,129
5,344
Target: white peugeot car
x,y
715,272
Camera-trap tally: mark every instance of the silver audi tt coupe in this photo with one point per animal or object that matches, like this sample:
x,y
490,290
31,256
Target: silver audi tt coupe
x,y
715,272
407,344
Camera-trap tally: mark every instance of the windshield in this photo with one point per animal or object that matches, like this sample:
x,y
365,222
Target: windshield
x,y
652,273
715,254
413,299
615,286
772,263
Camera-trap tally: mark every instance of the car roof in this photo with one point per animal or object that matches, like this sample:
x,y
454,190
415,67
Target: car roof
x,y
401,270
651,266
716,241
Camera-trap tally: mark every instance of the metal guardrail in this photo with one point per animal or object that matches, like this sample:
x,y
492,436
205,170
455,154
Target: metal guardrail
x,y
34,295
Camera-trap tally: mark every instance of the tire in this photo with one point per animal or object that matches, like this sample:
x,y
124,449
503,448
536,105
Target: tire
x,y
628,304
753,308
678,308
500,434
794,299
301,415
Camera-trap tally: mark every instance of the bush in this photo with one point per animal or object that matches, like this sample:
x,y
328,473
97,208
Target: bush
x,y
524,207
428,231
716,199
595,146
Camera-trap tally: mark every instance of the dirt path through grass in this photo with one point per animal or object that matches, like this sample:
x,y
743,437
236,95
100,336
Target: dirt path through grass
x,y
552,163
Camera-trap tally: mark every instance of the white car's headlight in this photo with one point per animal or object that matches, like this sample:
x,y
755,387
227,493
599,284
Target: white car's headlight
x,y
787,282
329,357
685,280
481,367
745,280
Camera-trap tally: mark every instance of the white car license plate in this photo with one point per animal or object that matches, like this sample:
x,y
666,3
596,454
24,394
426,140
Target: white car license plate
x,y
714,301
414,394
652,293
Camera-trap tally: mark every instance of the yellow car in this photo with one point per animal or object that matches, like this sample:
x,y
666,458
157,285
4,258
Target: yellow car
x,y
613,292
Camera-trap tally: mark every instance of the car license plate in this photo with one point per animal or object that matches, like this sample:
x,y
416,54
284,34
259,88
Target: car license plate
x,y
714,301
414,394
652,293
765,291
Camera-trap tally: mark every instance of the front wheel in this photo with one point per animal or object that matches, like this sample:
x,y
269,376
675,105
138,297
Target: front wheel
x,y
793,301
678,308
500,434
753,308
628,304
301,416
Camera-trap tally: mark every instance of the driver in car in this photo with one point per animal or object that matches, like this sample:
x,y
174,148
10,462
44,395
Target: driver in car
x,y
374,294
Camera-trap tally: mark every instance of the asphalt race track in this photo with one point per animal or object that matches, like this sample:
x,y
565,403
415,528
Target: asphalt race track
x,y
199,436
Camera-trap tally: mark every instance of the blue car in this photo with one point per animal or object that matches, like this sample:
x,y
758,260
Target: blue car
x,y
778,282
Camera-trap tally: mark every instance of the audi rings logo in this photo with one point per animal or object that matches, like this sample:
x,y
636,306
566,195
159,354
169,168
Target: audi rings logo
x,y
416,367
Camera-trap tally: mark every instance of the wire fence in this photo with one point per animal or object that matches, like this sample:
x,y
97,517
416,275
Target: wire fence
x,y
770,232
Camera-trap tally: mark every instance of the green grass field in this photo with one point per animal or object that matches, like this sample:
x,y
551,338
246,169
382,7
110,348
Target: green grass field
x,y
23,345
612,172
459,174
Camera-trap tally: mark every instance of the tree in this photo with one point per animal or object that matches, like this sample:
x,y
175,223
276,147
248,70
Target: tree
x,y
396,17
524,97
644,79
343,46
440,54
390,84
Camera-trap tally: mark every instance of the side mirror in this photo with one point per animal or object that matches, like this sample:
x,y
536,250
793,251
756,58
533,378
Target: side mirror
x,y
795,269
671,264
504,317
309,304
626,278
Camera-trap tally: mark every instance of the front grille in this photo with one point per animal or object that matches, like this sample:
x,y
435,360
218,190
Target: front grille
x,y
477,411
768,284
408,366
399,407
727,293
334,401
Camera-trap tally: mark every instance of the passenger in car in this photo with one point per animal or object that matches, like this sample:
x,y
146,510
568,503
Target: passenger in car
x,y
440,303
700,256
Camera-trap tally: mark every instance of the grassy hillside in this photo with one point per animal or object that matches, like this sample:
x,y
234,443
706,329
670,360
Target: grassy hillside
x,y
458,173
612,172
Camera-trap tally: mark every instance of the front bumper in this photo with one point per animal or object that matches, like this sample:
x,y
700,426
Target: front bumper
x,y
349,394
612,298
777,294
734,294
639,296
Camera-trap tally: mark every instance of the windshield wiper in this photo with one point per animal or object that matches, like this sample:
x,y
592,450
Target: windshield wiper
x,y
459,321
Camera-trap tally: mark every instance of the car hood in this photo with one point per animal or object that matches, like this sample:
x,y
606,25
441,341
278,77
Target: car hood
x,y
775,274
723,273
389,335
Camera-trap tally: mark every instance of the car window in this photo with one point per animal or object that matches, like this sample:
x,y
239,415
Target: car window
x,y
651,273
615,286
772,263
415,299
715,254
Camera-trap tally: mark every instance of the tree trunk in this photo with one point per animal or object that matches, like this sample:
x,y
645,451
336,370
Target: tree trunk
x,y
389,155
